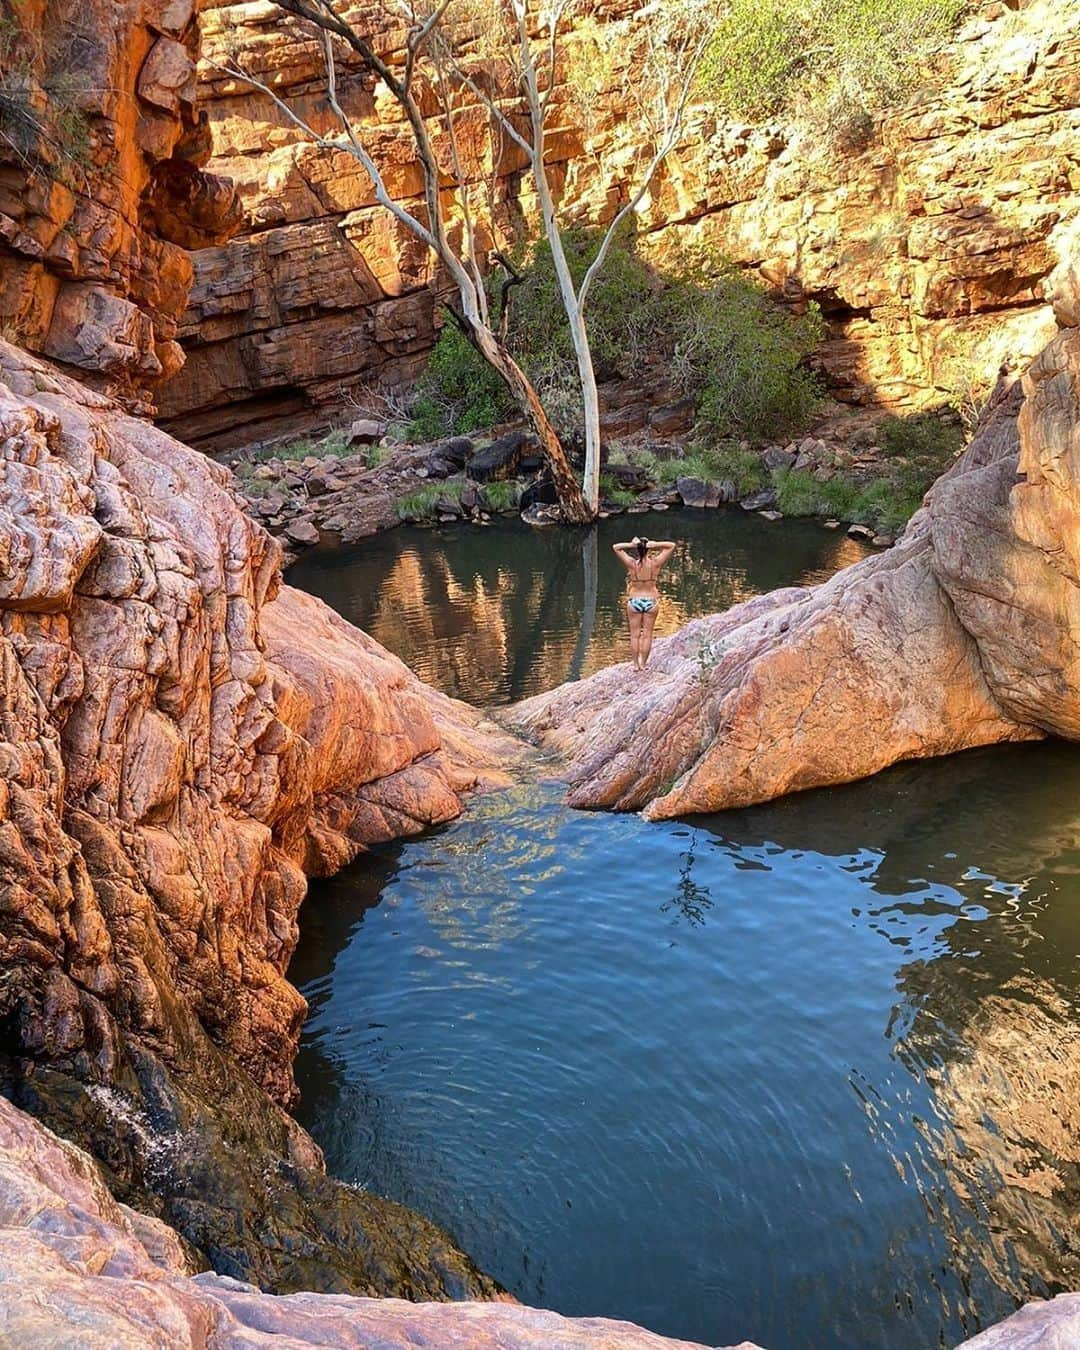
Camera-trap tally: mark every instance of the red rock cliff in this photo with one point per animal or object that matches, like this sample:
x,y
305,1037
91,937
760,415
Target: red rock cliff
x,y
102,189
929,252
181,738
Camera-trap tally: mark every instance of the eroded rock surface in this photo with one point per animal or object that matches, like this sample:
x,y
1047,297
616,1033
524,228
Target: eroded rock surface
x,y
103,188
963,634
182,741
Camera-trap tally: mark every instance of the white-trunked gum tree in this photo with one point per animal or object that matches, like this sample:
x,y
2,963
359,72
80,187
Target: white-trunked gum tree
x,y
509,62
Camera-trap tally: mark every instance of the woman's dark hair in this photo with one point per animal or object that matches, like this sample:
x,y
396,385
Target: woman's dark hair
x,y
642,548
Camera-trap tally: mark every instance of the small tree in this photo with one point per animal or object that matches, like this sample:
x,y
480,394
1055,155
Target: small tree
x,y
504,60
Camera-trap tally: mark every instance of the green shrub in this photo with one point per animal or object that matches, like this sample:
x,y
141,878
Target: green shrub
x,y
742,357
727,463
612,493
501,496
735,351
884,505
835,64
459,392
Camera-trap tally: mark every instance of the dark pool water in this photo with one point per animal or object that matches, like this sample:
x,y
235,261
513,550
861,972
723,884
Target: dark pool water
x,y
807,1074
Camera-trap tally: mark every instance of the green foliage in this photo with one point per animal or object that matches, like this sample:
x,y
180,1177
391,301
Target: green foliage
x,y
501,496
613,494
917,450
833,63
743,357
421,504
734,350
729,464
460,392
801,494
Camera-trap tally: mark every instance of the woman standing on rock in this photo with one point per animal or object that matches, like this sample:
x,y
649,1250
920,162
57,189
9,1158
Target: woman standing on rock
x,y
643,560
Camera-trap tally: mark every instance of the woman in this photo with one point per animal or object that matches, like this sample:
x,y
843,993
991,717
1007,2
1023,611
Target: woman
x,y
643,560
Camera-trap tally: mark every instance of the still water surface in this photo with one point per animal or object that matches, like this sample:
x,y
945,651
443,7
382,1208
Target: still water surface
x,y
807,1074
493,615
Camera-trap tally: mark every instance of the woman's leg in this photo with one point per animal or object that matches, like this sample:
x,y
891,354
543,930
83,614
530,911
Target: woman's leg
x,y
645,639
633,618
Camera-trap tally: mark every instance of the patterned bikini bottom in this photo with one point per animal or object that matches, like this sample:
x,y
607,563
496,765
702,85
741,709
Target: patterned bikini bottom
x,y
642,604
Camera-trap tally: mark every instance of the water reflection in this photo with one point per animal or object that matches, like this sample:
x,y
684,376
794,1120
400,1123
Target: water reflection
x,y
492,615
691,901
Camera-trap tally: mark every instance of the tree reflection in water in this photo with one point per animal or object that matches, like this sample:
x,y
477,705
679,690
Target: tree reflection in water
x,y
691,901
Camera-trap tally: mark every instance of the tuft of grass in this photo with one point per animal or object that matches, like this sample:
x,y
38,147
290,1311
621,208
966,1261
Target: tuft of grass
x,y
421,503
501,496
727,463
613,493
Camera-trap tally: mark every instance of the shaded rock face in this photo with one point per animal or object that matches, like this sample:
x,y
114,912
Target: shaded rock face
x,y
78,1268
932,253
102,189
963,634
182,739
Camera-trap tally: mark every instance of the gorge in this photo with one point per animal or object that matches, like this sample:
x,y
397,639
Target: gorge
x,y
186,740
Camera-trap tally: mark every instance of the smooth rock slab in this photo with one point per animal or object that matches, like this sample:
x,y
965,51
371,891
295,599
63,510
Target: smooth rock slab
x,y
964,633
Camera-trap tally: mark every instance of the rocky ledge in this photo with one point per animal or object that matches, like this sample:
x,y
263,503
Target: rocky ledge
x,y
963,634
355,481
78,1267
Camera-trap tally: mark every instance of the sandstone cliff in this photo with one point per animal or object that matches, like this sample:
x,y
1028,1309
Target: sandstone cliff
x,y
963,634
181,739
928,252
102,190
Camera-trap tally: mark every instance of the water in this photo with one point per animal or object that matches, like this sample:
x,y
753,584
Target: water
x,y
807,1074
493,615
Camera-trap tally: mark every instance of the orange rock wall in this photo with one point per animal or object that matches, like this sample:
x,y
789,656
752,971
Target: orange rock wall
x,y
102,194
929,252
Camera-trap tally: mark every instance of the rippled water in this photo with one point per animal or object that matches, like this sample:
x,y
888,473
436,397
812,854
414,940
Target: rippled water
x,y
807,1074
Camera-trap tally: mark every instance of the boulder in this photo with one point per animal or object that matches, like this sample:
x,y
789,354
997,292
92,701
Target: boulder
x,y
697,492
765,500
964,633
366,431
631,477
501,459
777,457
454,452
302,531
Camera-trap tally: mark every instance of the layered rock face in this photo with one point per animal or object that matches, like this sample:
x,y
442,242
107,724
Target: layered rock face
x,y
928,252
181,739
102,190
963,634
